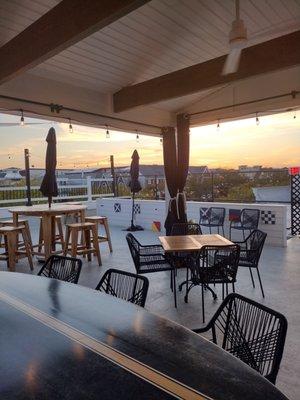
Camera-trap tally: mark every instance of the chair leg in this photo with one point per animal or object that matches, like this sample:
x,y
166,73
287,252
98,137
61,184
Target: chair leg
x,y
226,289
40,237
252,277
223,230
261,286
171,280
96,244
222,291
243,234
67,241
28,233
26,242
210,229
12,240
233,287
203,308
174,288
74,242
107,233
60,232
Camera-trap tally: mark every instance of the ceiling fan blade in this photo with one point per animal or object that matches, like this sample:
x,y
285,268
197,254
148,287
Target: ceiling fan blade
x,y
232,62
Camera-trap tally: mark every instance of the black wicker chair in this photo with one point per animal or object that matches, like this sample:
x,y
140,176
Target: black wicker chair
x,y
250,252
151,258
249,220
214,265
187,228
65,269
251,332
124,285
214,218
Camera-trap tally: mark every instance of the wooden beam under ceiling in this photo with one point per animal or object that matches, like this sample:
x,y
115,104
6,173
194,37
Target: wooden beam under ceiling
x,y
62,26
275,54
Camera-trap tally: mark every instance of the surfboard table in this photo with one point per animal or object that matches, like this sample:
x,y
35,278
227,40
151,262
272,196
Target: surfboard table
x,y
65,341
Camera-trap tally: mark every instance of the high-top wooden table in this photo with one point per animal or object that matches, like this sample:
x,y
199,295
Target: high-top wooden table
x,y
64,341
188,243
48,219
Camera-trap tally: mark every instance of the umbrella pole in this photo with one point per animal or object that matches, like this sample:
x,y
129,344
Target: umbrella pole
x,y
49,201
132,211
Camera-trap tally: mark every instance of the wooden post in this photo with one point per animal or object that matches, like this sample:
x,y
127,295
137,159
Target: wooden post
x,y
27,175
112,169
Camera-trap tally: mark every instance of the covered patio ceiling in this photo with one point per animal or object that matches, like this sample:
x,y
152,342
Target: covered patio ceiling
x,y
135,64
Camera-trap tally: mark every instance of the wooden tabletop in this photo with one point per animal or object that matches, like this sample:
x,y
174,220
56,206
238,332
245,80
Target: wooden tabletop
x,y
192,242
41,209
64,341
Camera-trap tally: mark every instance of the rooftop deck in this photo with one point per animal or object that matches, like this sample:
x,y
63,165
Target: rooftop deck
x,y
280,274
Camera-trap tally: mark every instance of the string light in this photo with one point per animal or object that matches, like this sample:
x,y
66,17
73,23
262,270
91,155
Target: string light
x,y
107,133
161,141
22,122
70,126
218,125
137,137
257,119
295,116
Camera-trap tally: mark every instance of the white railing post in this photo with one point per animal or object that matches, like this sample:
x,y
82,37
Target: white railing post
x,y
89,187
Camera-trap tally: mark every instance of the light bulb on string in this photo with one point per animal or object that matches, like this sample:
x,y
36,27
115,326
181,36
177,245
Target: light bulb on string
x,y
107,133
161,141
137,137
218,125
70,126
22,122
295,116
257,119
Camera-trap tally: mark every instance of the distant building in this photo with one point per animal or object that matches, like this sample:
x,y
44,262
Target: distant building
x,y
250,172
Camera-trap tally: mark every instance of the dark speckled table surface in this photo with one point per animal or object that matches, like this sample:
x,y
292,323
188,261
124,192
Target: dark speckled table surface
x,y
64,341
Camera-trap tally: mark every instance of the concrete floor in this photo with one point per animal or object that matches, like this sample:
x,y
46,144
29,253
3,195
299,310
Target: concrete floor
x,y
280,271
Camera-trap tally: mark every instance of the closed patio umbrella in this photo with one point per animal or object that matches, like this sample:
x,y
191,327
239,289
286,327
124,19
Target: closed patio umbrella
x,y
135,186
49,184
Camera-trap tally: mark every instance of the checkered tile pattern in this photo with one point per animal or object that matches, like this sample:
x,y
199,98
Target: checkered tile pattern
x,y
268,217
137,209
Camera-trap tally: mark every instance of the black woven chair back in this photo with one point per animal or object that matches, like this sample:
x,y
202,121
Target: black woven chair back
x,y
250,218
216,264
125,285
65,269
255,243
134,247
217,215
188,228
251,332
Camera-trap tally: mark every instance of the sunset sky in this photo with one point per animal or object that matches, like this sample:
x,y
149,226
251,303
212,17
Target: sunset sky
x,y
274,142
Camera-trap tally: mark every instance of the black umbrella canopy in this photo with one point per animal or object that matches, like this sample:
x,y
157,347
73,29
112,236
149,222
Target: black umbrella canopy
x,y
134,183
49,184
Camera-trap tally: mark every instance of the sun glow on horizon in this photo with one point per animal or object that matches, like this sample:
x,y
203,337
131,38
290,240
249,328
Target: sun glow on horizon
x,y
274,142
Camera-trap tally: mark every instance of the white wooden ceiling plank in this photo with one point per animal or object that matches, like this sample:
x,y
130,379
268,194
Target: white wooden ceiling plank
x,y
185,28
293,7
72,75
163,54
48,73
267,11
66,65
249,20
121,78
158,45
97,60
135,51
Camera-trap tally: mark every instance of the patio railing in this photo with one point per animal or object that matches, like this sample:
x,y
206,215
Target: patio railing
x,y
91,190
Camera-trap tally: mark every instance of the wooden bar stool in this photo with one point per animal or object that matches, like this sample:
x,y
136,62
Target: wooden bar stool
x,y
12,252
101,221
21,222
58,234
90,244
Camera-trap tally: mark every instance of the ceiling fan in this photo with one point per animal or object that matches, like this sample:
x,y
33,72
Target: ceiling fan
x,y
237,42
